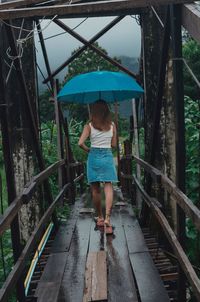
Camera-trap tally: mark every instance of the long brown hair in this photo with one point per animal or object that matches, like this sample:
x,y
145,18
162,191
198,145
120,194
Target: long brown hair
x,y
100,115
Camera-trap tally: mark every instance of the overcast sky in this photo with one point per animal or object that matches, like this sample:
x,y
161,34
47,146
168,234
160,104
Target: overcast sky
x,y
122,39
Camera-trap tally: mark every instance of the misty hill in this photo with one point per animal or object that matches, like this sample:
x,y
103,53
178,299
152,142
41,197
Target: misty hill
x,y
130,63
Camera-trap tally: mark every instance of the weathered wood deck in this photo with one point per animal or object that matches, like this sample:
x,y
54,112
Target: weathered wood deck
x,y
77,271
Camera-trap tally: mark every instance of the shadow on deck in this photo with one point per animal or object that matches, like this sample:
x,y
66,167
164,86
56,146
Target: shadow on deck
x,y
86,265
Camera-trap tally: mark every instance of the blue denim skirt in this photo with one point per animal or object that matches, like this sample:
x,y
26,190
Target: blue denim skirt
x,y
101,166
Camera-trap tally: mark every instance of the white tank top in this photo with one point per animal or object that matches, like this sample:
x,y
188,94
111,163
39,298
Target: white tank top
x,y
100,139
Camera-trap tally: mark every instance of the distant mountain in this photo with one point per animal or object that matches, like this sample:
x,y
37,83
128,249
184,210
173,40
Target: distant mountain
x,y
131,63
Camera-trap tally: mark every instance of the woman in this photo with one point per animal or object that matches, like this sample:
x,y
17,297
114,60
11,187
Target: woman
x,y
100,164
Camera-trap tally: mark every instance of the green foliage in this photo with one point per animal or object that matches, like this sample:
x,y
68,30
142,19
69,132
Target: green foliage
x,y
191,52
192,122
5,241
75,130
49,142
89,61
49,148
46,108
86,62
1,150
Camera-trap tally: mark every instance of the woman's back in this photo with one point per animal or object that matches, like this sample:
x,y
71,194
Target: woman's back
x,y
100,139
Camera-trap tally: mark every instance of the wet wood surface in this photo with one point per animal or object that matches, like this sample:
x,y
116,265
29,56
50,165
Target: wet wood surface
x,y
50,282
72,285
123,272
149,283
121,285
95,277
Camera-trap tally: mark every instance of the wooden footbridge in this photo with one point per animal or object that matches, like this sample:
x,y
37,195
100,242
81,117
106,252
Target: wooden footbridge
x,y
65,257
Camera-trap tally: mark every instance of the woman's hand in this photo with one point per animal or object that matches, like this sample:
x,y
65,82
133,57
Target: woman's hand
x,y
114,138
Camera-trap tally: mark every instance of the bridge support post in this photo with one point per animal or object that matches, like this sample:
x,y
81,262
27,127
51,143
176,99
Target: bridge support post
x,y
10,179
175,13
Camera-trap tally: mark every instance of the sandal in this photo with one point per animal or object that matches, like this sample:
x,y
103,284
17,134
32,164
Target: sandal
x,y
108,226
100,221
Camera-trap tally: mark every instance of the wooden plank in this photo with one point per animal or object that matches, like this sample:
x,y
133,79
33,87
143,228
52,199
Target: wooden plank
x,y
191,20
97,238
87,293
120,204
121,283
149,283
72,285
92,9
133,232
31,244
49,286
178,250
96,277
86,211
63,237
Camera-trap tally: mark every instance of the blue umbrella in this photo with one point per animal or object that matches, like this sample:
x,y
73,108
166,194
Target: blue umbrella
x,y
106,85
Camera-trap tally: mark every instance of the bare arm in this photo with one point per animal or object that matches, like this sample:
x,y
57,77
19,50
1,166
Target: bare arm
x,y
85,134
114,138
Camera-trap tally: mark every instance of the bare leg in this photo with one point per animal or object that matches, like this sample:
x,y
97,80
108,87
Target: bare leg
x,y
96,197
108,189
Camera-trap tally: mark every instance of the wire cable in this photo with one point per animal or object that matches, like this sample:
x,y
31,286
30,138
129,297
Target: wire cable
x,y
64,32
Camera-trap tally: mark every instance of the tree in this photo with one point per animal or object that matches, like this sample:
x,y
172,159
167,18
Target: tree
x,y
46,108
86,62
191,52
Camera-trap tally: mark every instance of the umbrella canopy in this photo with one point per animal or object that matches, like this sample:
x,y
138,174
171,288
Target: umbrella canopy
x,y
106,85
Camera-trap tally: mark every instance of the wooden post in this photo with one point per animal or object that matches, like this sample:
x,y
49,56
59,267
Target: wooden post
x,y
175,11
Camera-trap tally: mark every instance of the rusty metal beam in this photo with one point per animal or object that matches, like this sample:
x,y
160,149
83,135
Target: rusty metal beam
x,y
160,91
91,9
29,111
78,52
191,20
94,48
10,179
46,60
176,34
